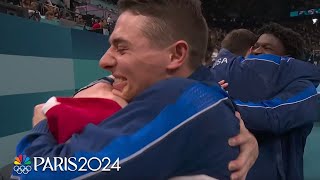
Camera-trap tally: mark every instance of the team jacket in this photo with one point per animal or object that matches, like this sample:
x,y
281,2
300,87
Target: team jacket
x,y
278,101
177,127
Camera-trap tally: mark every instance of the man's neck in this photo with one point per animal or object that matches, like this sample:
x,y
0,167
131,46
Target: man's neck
x,y
183,73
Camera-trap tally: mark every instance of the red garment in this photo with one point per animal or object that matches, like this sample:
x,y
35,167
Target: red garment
x,y
67,116
96,26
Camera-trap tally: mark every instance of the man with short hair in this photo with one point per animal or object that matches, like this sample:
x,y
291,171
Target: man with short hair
x,y
239,42
279,40
236,45
172,126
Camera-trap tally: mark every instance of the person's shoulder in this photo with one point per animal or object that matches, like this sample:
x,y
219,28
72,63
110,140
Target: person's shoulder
x,y
225,57
283,63
300,69
266,59
173,88
177,84
174,82
298,62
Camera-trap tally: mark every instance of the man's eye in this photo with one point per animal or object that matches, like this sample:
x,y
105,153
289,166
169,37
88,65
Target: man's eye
x,y
121,50
256,46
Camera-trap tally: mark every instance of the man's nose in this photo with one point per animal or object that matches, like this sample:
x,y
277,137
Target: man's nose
x,y
108,61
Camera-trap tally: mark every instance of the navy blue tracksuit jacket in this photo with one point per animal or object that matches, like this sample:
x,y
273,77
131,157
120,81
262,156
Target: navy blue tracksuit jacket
x,y
278,101
177,127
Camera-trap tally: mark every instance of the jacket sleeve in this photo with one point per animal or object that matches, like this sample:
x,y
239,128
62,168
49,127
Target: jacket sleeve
x,y
295,106
244,81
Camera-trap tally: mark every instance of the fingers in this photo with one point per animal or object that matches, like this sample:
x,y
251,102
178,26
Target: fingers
x,y
239,175
238,115
37,114
241,165
236,164
225,85
221,82
242,126
240,162
248,152
244,162
38,108
238,140
244,135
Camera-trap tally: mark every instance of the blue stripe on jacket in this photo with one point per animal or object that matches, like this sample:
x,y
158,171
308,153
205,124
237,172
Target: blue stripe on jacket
x,y
276,102
266,57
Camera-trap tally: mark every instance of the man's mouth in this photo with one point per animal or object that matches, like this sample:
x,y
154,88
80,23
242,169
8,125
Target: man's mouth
x,y
119,83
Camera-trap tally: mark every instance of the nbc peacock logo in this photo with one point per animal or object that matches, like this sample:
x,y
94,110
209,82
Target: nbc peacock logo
x,y
22,164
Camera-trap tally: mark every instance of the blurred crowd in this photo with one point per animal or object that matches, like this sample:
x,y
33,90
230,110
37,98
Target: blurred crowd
x,y
106,25
45,9
57,10
309,31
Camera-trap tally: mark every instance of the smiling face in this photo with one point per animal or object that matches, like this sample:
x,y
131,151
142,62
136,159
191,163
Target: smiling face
x,y
134,61
269,44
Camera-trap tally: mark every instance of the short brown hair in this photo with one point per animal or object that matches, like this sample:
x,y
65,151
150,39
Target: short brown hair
x,y
239,41
173,20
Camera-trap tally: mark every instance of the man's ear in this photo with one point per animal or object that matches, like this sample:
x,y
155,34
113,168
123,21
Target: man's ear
x,y
250,51
178,54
